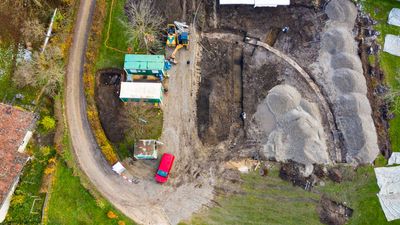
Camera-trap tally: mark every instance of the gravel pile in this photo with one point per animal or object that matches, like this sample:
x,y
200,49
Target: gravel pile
x,y
293,127
346,86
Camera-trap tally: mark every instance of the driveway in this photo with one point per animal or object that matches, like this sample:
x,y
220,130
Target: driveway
x,y
145,202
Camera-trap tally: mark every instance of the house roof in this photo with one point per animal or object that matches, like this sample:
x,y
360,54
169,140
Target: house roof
x,y
141,90
144,62
14,124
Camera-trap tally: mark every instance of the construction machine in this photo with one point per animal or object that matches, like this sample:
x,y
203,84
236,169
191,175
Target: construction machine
x,y
172,35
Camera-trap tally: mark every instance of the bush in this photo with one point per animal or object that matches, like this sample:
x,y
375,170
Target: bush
x,y
48,123
111,215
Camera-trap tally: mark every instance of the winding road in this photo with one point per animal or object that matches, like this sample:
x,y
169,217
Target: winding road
x,y
145,202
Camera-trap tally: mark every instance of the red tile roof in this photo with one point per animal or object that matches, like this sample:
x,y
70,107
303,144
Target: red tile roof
x,y
14,124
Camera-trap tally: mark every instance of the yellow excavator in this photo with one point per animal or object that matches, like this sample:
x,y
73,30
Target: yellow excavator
x,y
183,41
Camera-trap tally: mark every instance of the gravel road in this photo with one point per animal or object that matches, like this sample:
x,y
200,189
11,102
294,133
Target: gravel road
x,y
145,202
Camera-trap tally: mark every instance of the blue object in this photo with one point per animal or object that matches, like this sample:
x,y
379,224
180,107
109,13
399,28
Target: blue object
x,y
162,173
167,65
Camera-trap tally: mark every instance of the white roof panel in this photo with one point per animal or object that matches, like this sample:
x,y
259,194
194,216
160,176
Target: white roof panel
x,y
256,3
140,90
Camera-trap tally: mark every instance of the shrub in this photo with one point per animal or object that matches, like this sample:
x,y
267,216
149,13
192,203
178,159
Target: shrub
x,y
111,215
48,123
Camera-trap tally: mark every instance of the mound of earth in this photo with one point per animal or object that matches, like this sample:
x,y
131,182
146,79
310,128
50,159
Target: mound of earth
x,y
293,128
341,76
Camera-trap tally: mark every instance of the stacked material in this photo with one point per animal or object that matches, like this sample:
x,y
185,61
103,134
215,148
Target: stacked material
x,y
342,78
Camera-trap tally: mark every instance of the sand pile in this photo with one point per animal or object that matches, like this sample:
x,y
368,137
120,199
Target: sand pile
x,y
341,76
291,127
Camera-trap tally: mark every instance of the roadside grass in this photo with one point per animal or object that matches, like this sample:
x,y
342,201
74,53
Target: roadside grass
x,y
263,200
71,203
390,64
117,38
27,201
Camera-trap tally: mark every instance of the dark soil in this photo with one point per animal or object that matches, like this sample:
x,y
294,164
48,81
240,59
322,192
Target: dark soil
x,y
291,172
219,98
333,213
235,76
376,85
109,106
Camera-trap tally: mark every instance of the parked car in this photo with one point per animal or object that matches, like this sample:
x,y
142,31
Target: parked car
x,y
165,166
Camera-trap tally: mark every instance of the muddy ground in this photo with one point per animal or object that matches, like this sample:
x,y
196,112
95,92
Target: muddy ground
x,y
109,106
235,77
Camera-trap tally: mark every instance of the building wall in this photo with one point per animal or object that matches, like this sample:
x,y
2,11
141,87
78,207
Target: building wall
x,y
6,203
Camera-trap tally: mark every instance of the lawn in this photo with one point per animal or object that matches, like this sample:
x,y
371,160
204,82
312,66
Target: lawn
x,y
71,203
113,55
390,64
270,200
265,200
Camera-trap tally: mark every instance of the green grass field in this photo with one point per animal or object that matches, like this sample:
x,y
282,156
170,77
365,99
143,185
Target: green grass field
x,y
390,64
71,203
117,39
270,200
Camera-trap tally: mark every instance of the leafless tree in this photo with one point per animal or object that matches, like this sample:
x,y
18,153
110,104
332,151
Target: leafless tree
x,y
144,24
33,30
45,71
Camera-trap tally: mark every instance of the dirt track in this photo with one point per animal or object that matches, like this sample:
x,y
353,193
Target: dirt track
x,y
145,202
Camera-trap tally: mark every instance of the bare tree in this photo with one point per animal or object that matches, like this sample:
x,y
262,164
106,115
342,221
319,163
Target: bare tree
x,y
33,30
143,26
45,71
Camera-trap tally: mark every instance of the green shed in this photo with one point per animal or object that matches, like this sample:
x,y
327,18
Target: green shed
x,y
152,65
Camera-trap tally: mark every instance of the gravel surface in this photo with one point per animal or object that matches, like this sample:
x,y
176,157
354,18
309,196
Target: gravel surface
x,y
145,202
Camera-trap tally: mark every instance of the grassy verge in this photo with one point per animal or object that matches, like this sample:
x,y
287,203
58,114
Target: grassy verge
x,y
71,203
109,57
89,82
379,10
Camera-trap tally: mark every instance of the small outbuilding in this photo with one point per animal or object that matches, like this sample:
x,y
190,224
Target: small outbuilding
x,y
392,44
147,65
141,92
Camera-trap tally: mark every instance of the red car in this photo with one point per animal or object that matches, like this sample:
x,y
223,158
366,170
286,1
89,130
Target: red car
x,y
165,166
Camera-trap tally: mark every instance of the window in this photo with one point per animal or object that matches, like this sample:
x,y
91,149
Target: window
x,y
162,173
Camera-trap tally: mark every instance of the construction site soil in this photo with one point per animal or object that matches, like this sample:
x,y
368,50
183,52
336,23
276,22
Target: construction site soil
x,y
204,122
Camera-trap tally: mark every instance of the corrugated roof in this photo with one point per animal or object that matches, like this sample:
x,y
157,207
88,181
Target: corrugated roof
x,y
14,124
144,62
140,90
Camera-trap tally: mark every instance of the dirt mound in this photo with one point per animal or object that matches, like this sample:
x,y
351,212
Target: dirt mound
x,y
341,77
341,11
283,98
333,213
346,60
292,132
347,80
